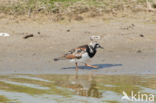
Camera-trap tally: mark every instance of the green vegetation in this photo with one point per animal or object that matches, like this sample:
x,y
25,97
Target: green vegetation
x,y
22,89
53,88
22,7
67,86
3,99
66,7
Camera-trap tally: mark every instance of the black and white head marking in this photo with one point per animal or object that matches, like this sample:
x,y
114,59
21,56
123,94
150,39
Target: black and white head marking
x,y
94,45
92,48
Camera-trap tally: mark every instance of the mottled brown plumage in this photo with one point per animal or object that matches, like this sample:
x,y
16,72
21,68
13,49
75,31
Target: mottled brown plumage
x,y
74,53
81,54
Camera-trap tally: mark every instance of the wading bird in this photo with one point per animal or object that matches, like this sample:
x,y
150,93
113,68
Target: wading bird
x,y
81,54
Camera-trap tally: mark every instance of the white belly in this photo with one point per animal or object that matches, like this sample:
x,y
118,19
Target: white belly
x,y
84,58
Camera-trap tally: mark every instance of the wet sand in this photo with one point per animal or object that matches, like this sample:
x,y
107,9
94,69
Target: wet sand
x,y
129,46
29,74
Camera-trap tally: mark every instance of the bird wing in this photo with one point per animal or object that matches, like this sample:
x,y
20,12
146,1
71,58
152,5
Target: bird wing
x,y
76,53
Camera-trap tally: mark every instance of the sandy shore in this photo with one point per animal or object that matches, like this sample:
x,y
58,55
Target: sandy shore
x,y
130,46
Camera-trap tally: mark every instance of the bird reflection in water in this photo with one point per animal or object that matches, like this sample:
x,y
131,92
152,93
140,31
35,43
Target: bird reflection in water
x,y
86,88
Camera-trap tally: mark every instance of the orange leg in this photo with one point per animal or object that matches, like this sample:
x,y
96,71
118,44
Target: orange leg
x,y
76,75
90,65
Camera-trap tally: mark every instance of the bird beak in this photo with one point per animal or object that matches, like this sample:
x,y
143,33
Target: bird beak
x,y
101,47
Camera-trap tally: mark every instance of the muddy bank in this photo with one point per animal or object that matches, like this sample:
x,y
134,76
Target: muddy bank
x,y
129,46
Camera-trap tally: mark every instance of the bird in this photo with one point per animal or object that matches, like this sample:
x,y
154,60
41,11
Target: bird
x,y
81,54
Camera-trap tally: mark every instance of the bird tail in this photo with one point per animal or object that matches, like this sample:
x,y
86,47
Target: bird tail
x,y
59,58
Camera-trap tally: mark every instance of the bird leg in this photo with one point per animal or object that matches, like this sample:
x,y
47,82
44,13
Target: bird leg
x,y
91,75
91,66
76,75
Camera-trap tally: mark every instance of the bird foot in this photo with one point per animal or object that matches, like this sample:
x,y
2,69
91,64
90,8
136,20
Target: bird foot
x,y
91,66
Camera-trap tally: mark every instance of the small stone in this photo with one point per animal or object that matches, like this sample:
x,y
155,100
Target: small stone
x,y
141,35
139,51
68,30
133,25
38,33
33,54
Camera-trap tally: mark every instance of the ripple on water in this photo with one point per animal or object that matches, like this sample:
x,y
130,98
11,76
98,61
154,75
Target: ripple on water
x,y
101,89
25,84
31,78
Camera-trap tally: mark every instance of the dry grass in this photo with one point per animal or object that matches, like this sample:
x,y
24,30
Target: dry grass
x,y
75,9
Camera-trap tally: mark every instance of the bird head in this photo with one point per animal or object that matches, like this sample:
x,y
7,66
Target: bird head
x,y
98,46
95,45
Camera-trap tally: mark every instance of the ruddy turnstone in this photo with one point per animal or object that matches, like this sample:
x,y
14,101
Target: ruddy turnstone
x,y
81,54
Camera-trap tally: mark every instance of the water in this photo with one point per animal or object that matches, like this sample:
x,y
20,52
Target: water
x,y
68,89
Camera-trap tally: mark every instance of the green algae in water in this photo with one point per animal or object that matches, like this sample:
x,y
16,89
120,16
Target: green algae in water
x,y
21,89
4,99
67,86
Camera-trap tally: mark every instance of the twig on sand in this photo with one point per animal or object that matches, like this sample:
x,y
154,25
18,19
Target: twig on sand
x,y
28,36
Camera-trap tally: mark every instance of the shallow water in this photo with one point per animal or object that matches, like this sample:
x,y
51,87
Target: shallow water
x,y
86,89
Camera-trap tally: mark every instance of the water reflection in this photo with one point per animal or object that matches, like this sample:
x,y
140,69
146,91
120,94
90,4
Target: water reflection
x,y
60,88
90,91
93,91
